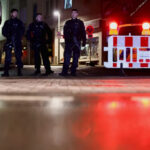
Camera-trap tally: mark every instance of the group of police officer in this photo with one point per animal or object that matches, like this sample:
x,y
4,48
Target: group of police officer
x,y
39,35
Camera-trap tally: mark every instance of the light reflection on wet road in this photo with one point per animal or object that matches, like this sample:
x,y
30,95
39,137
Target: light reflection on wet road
x,y
85,122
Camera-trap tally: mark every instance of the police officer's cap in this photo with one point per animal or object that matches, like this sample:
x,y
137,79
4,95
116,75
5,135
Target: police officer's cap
x,y
75,10
13,10
38,14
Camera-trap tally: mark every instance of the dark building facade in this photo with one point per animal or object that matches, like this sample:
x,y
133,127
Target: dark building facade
x,y
92,12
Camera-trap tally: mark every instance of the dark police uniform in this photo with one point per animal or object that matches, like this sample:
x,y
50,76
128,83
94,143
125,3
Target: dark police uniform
x,y
74,33
37,34
13,30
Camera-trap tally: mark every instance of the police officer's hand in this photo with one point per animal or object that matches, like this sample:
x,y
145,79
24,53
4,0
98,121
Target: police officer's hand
x,y
59,35
49,45
83,44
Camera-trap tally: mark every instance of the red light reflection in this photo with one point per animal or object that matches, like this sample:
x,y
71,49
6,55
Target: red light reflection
x,y
115,122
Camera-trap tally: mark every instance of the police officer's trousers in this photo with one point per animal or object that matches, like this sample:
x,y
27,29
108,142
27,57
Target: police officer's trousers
x,y
69,51
38,52
18,55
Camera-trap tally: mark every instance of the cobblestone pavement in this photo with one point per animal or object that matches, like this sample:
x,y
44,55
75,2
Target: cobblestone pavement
x,y
82,84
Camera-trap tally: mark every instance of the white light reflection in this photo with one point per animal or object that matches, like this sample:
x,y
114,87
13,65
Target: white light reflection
x,y
24,98
58,102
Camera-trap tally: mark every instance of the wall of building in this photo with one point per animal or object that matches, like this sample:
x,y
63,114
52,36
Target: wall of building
x,y
4,12
89,13
5,15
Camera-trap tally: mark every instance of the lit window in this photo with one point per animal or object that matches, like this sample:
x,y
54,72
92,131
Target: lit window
x,y
68,4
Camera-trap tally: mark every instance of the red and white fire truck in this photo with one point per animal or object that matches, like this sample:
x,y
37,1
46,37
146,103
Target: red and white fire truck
x,y
128,48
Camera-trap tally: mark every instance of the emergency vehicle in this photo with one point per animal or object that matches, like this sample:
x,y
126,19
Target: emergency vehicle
x,y
128,46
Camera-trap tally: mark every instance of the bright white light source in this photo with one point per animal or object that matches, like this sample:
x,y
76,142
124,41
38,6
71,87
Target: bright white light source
x,y
146,26
113,25
56,13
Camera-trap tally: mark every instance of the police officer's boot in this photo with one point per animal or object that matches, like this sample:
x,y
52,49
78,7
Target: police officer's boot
x,y
20,72
48,71
37,72
64,73
5,74
6,71
73,71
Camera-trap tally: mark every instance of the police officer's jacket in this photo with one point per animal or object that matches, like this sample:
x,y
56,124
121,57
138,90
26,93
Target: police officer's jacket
x,y
13,29
75,29
39,32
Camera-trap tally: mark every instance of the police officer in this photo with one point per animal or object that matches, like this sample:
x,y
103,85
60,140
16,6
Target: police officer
x,y
13,30
39,34
74,34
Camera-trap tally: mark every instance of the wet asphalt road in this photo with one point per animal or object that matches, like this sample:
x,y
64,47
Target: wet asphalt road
x,y
96,113
98,121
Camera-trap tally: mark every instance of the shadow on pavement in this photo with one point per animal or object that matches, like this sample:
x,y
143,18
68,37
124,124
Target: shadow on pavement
x,y
84,73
